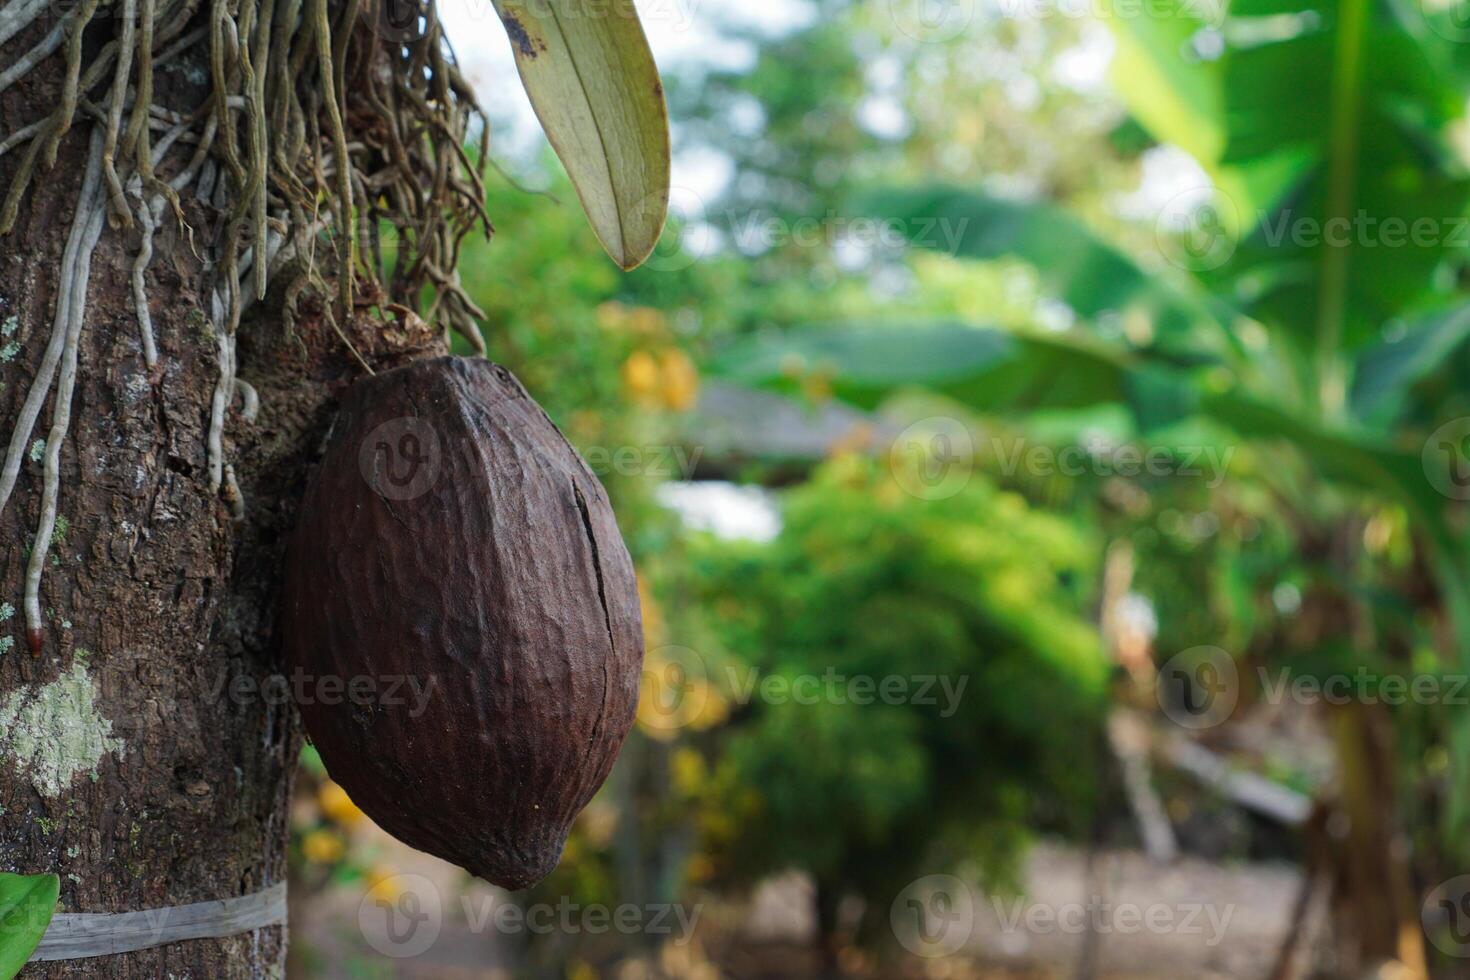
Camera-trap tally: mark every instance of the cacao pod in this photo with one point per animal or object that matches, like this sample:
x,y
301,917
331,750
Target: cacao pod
x,y
454,544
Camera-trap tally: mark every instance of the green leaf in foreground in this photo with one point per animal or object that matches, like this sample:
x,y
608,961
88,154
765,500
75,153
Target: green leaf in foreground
x,y
27,903
591,78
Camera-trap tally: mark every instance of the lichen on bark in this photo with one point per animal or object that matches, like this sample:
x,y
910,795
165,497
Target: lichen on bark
x,y
54,733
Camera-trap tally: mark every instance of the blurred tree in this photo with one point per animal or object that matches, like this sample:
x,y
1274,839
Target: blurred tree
x,y
918,685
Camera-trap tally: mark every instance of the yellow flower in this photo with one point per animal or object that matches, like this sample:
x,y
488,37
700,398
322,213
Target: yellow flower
x,y
323,847
384,884
382,874
688,771
338,806
681,380
640,377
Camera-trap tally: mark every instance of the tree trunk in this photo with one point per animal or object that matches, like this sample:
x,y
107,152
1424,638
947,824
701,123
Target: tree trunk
x,y
140,758
827,901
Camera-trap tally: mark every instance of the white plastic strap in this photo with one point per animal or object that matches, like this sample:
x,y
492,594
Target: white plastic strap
x,y
76,936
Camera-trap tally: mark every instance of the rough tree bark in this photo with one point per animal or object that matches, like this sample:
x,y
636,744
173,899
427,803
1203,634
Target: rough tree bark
x,y
130,763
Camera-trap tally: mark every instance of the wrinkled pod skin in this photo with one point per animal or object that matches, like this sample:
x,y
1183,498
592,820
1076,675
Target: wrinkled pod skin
x,y
456,552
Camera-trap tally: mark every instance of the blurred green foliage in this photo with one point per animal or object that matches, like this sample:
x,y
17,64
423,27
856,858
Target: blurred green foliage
x,y
917,683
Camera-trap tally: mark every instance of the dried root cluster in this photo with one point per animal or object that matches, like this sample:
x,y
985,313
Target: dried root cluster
x,y
327,145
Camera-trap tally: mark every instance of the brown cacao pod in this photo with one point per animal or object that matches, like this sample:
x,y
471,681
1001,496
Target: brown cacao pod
x,y
454,545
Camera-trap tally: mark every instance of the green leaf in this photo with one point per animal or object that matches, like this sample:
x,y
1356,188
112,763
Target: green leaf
x,y
1092,276
1348,456
984,367
1177,96
1360,251
591,78
27,903
1387,371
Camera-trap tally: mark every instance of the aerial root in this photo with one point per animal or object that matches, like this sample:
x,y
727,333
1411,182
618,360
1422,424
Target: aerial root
x,y
279,183
249,400
71,308
140,289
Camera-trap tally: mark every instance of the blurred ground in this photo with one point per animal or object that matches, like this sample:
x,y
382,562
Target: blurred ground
x,y
1191,918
